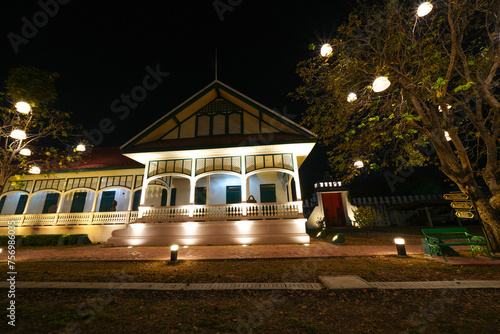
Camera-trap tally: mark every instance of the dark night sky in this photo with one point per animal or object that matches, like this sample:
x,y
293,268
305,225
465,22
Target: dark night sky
x,y
101,50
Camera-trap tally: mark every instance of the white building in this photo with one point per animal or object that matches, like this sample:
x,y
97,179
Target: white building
x,y
186,179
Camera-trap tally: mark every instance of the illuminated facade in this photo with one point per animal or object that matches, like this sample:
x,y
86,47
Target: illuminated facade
x,y
218,169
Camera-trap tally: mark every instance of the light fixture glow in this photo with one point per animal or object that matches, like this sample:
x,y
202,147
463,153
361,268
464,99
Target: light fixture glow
x,y
359,164
448,107
244,245
34,170
399,241
80,148
424,9
18,134
306,244
447,136
351,97
326,50
23,107
380,84
174,247
25,151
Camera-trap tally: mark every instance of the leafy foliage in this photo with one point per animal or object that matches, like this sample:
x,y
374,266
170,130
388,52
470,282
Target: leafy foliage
x,y
444,77
364,217
51,136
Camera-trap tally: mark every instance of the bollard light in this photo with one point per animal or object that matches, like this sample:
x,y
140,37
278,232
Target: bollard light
x,y
400,246
173,252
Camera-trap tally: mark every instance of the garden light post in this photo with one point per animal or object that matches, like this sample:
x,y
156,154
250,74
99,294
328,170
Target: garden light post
x,y
400,246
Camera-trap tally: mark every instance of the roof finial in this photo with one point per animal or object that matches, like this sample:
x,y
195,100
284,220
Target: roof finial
x,y
215,64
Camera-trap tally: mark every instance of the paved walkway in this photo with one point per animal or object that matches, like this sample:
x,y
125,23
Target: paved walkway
x,y
340,282
101,253
315,249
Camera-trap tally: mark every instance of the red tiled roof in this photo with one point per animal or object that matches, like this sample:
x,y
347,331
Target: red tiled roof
x,y
243,140
105,157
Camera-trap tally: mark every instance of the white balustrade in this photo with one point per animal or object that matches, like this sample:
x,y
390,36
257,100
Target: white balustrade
x,y
80,218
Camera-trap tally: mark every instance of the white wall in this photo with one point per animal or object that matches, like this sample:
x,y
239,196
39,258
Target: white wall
x,y
182,193
122,197
217,187
10,205
153,195
38,201
267,178
68,201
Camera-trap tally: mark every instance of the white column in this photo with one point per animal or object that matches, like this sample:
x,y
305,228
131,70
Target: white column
x,y
192,185
243,178
296,178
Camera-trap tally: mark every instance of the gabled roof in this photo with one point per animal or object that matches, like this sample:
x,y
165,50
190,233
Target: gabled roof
x,y
217,116
101,158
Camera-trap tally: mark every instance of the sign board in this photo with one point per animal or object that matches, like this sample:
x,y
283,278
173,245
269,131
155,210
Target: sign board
x,y
456,197
462,205
464,214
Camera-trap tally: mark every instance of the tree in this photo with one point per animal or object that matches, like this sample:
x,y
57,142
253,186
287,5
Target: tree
x,y
43,125
442,105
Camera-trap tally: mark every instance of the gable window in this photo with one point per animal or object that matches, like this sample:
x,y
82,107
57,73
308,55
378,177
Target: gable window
x,y
219,117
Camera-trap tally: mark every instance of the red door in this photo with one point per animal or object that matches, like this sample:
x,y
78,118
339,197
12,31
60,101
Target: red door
x,y
334,210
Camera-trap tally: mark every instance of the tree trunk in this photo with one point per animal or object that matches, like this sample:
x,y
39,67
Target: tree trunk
x,y
491,224
487,213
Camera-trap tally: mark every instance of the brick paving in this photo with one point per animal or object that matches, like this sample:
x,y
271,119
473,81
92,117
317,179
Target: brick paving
x,y
101,253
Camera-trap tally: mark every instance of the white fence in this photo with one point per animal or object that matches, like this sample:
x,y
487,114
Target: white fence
x,y
62,219
222,212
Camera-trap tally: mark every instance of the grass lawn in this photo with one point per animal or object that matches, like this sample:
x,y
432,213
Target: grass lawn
x,y
358,311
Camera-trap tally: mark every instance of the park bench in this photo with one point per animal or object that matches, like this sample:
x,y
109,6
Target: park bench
x,y
440,239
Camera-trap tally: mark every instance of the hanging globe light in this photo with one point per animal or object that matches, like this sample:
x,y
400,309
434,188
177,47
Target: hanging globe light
x,y
380,84
34,170
447,136
23,107
326,50
359,164
448,107
351,97
25,151
80,148
424,9
18,134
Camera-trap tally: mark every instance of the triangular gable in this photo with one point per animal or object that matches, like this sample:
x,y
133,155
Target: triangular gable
x,y
215,111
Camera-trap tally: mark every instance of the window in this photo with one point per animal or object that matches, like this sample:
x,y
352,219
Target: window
x,y
78,203
50,205
107,199
200,195
267,193
233,194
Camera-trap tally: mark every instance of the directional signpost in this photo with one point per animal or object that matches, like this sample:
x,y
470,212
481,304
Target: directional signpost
x,y
464,214
456,197
463,207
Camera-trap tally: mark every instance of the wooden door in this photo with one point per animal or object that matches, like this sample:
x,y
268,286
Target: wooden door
x,y
333,210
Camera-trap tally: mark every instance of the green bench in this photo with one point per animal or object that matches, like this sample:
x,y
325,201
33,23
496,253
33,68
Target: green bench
x,y
439,239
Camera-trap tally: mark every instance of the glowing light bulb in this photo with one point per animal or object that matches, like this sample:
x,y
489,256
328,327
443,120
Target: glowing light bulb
x,y
18,134
23,107
326,50
380,84
424,9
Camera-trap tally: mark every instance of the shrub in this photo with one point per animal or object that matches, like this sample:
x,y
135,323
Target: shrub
x,y
364,217
41,240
